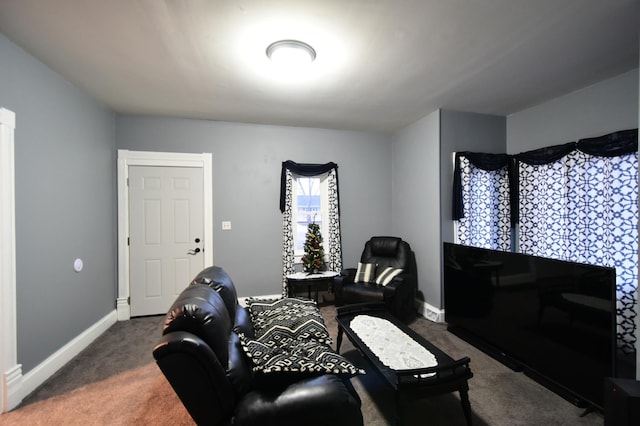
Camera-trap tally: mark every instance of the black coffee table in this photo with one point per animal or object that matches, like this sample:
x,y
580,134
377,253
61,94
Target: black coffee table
x,y
447,376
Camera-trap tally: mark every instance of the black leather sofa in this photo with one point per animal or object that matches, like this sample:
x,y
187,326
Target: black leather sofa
x,y
399,295
201,356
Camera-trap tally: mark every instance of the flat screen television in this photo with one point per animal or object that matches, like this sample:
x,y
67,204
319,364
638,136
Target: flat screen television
x,y
554,320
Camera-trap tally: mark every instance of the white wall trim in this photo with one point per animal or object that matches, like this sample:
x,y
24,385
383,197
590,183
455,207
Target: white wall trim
x,y
430,312
128,158
62,356
11,371
242,301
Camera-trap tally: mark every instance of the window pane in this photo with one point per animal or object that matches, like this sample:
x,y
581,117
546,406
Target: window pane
x,y
308,207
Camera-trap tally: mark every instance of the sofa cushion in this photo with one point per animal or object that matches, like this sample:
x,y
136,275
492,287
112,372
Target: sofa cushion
x,y
275,319
365,273
387,275
319,400
290,355
384,246
387,251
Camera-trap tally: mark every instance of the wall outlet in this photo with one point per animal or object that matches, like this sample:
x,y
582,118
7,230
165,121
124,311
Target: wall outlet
x,y
226,225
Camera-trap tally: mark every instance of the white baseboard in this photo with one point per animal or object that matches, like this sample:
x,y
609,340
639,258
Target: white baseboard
x,y
123,308
430,312
39,374
426,310
12,382
243,300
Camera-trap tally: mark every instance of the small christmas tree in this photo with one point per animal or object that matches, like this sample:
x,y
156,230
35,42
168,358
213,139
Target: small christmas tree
x,y
313,259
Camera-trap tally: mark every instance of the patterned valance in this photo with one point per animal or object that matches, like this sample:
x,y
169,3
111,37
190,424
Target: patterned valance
x,y
487,162
610,145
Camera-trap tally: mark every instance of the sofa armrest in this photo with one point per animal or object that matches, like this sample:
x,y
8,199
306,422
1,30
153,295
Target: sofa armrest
x,y
348,272
346,277
400,294
398,283
320,400
196,375
403,282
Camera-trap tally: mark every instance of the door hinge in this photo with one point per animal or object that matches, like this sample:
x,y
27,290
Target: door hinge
x,y
128,241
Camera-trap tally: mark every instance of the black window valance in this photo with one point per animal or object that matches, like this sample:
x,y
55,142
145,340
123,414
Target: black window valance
x,y
546,155
299,169
610,145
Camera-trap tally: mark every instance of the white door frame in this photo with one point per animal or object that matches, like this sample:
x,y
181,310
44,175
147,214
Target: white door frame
x,y
10,370
128,158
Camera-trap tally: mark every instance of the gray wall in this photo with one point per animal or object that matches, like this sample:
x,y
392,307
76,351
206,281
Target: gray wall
x,y
422,183
596,110
465,131
65,205
415,194
247,161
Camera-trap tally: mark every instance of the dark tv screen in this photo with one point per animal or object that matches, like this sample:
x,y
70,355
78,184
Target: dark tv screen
x,y
553,319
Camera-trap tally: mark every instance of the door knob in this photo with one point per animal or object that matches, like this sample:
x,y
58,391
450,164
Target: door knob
x,y
194,251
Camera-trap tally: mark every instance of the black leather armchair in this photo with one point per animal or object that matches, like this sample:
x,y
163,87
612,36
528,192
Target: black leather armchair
x,y
399,295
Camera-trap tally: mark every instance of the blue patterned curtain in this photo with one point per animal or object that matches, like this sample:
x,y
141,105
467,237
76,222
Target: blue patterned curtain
x,y
584,208
483,216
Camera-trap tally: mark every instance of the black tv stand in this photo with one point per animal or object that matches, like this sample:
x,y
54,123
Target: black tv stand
x,y
563,392
487,348
590,409
517,366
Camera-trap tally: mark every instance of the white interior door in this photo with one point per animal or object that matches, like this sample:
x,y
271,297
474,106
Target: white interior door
x,y
166,226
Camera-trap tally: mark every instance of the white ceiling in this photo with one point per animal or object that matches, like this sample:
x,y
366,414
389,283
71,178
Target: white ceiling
x,y
381,64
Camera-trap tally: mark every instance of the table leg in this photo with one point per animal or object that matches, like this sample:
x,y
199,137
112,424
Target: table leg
x,y
339,342
399,420
466,405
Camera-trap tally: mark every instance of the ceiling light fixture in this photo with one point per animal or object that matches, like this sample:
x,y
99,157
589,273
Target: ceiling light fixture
x,y
291,53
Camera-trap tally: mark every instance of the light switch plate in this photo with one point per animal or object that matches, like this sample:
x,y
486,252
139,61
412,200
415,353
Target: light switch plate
x,y
226,225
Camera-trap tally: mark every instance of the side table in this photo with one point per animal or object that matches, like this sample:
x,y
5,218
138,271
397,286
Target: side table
x,y
304,279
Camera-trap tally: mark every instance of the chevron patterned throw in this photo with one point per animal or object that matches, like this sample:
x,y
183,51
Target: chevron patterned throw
x,y
291,336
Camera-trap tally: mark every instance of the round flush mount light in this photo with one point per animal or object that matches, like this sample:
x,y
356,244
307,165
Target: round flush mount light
x,y
291,53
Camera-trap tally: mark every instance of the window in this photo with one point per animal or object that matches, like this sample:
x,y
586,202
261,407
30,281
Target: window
x,y
310,204
308,193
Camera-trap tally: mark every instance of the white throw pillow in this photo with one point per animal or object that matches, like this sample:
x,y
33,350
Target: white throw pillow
x,y
365,273
387,275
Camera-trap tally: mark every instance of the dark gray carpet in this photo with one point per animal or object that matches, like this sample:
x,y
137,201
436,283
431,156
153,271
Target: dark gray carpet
x,y
115,382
